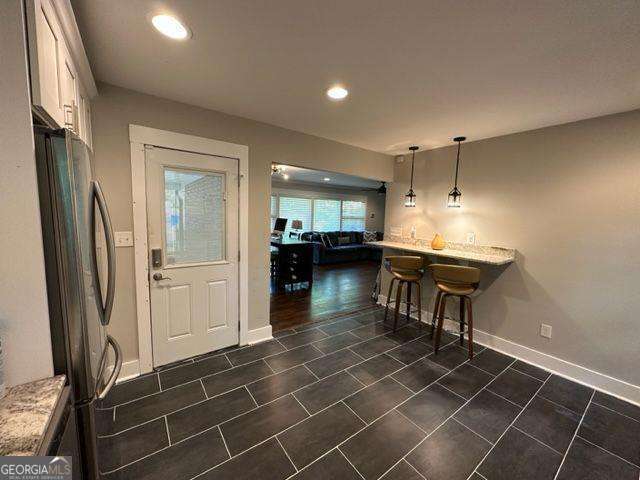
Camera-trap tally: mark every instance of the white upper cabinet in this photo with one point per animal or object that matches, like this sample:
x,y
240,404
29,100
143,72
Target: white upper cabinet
x,y
44,49
61,81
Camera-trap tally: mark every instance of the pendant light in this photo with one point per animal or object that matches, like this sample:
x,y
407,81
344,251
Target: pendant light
x,y
382,189
455,195
410,197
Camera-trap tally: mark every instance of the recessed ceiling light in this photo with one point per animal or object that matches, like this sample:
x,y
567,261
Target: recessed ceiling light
x,y
327,179
170,26
285,176
337,93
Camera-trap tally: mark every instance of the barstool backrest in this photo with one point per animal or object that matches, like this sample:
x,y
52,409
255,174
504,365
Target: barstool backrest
x,y
455,274
404,263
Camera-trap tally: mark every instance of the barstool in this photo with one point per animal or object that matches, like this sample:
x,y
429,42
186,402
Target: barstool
x,y
457,281
406,270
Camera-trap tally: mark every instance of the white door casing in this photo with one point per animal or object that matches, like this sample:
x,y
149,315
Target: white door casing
x,y
139,136
192,210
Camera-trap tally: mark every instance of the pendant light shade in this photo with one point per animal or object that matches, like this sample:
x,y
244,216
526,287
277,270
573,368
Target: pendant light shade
x,y
382,189
410,197
454,200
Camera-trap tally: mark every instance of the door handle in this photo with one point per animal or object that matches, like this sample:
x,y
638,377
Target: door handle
x,y
158,276
104,310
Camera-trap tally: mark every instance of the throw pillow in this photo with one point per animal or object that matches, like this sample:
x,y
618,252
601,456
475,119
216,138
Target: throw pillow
x,y
344,240
326,241
369,236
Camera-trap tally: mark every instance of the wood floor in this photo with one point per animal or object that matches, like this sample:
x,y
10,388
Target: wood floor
x,y
337,289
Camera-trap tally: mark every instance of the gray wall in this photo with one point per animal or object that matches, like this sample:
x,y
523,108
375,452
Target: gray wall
x,y
24,314
568,199
115,108
375,202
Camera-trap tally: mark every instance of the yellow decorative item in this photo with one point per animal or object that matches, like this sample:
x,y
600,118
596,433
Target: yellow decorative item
x,y
438,242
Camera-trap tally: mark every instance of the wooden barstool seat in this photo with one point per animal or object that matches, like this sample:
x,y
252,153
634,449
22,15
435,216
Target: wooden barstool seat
x,y
457,281
406,270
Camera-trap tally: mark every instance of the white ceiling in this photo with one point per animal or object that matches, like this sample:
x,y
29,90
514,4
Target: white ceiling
x,y
418,71
306,175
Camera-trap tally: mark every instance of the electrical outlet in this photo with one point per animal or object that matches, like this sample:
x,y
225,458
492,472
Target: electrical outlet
x,y
545,330
123,239
471,238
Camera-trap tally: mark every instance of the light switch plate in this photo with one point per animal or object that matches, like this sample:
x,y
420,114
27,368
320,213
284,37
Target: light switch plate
x,y
471,238
123,239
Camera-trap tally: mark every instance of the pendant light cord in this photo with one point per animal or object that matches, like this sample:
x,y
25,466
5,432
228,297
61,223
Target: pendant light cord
x,y
413,159
457,164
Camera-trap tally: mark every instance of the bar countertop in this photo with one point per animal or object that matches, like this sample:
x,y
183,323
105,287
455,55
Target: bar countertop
x,y
459,251
25,412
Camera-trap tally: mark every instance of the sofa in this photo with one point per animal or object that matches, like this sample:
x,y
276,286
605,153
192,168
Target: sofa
x,y
338,247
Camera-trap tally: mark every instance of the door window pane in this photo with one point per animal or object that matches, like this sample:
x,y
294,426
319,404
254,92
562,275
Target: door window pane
x,y
326,215
294,208
194,216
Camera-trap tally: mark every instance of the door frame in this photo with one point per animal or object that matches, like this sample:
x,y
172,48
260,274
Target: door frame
x,y
139,136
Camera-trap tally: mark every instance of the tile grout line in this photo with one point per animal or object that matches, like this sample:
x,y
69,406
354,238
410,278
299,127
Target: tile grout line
x,y
615,411
286,453
303,407
225,442
352,465
607,451
472,430
558,404
584,414
206,396
504,398
353,411
537,440
251,395
166,424
451,391
508,426
414,469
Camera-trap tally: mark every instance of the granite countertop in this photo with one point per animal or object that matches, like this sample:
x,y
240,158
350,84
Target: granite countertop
x,y
25,412
460,251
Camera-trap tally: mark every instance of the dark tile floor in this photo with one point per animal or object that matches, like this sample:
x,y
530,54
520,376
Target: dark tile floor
x,y
348,399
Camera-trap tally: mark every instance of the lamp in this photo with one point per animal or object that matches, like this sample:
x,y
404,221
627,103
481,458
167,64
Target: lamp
x,y
410,197
455,195
295,225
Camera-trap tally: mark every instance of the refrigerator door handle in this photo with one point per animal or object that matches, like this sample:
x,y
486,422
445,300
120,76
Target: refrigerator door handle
x,y
101,393
104,310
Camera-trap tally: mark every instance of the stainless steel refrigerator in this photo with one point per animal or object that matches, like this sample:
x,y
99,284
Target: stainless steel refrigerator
x,y
80,268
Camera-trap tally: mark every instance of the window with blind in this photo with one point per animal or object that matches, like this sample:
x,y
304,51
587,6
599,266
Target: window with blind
x,y
319,214
353,215
296,208
326,215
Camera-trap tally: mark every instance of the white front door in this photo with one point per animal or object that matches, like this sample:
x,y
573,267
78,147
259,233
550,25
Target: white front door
x,y
192,209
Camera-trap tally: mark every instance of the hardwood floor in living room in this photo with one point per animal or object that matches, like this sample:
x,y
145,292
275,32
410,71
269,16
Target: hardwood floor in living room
x,y
337,289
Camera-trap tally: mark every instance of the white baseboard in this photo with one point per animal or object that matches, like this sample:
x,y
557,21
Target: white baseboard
x,y
258,335
577,373
131,369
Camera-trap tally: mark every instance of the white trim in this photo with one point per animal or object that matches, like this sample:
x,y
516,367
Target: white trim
x,y
69,26
128,371
258,335
577,373
140,136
